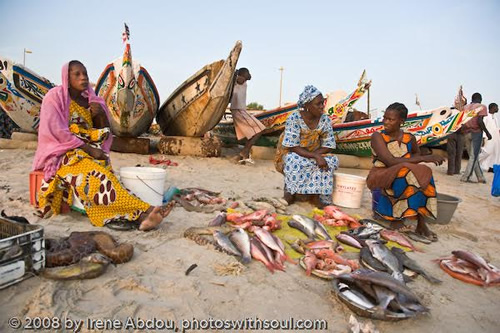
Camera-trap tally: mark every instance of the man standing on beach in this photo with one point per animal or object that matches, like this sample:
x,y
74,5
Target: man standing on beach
x,y
490,153
246,125
473,130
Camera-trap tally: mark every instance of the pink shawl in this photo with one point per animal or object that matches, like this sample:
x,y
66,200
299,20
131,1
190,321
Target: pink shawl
x,y
54,137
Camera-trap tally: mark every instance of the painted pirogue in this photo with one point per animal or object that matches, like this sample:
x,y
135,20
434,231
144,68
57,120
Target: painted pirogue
x,y
21,94
130,94
199,103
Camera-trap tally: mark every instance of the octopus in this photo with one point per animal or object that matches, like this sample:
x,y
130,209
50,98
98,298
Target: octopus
x,y
78,245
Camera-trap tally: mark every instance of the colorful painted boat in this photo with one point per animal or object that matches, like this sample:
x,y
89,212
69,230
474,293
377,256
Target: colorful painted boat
x,y
275,119
130,93
429,127
199,103
21,94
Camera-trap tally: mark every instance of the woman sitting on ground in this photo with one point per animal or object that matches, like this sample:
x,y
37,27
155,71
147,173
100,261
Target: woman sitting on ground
x,y
407,187
74,140
305,149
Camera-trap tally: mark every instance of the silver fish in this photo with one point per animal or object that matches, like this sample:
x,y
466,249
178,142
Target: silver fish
x,y
387,258
368,260
304,224
413,265
240,238
355,297
320,230
349,240
226,243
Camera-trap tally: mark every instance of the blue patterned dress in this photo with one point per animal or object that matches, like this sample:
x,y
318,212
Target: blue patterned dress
x,y
302,175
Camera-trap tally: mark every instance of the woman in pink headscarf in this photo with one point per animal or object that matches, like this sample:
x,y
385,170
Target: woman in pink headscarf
x,y
74,140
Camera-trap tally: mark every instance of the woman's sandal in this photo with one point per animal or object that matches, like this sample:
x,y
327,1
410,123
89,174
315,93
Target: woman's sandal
x,y
123,225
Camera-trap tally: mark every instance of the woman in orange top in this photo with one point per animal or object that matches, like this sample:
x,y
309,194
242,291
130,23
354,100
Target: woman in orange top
x,y
407,187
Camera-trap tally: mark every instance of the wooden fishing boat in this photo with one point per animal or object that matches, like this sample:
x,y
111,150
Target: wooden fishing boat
x,y
199,103
429,127
21,94
275,119
130,94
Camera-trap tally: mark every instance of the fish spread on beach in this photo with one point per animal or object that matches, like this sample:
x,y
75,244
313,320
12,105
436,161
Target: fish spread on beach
x,y
393,235
88,267
306,225
413,265
225,243
349,240
380,252
241,240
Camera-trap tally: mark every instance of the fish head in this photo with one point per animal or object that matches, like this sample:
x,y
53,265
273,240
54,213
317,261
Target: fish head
x,y
97,258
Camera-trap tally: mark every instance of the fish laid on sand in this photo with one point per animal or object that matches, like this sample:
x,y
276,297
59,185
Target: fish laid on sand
x,y
241,240
309,226
349,240
393,235
225,243
413,265
387,258
88,267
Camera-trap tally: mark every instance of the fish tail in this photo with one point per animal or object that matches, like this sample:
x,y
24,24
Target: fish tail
x,y
431,279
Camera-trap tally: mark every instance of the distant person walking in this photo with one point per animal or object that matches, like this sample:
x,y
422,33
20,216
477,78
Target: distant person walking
x,y
473,130
246,125
455,150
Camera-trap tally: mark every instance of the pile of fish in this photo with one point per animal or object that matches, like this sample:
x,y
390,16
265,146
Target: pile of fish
x,y
310,227
258,243
199,200
334,217
376,256
260,218
377,295
323,259
471,268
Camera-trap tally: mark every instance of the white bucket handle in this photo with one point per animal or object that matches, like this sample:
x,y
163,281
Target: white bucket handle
x,y
152,189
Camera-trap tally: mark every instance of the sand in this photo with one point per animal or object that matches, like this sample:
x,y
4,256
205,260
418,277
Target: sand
x,y
153,283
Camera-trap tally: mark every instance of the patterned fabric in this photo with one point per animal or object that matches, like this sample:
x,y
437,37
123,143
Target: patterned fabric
x,y
309,93
246,125
406,198
302,175
91,180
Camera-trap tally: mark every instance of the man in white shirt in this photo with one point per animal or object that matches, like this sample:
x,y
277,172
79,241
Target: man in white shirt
x,y
490,152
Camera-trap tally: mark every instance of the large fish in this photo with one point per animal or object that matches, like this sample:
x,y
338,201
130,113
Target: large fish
x,y
349,240
226,243
393,235
88,267
387,258
489,275
413,265
313,227
354,296
369,261
259,254
381,279
304,224
240,239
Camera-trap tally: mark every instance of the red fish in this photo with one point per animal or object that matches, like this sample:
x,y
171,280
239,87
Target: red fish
x,y
259,253
311,261
255,216
393,235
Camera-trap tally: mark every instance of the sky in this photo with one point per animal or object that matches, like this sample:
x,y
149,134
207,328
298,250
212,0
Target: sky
x,y
428,48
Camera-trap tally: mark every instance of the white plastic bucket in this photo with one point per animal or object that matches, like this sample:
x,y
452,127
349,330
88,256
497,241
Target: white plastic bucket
x,y
147,183
348,190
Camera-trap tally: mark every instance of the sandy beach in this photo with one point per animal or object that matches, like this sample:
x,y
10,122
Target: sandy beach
x,y
153,283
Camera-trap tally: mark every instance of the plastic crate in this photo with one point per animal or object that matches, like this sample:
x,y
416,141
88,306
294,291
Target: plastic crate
x,y
22,251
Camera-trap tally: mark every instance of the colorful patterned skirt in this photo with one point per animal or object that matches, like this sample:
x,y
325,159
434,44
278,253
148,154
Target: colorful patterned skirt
x,y
97,187
303,176
406,199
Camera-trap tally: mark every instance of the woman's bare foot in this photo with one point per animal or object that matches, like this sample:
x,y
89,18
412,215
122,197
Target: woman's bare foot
x,y
423,230
289,197
156,216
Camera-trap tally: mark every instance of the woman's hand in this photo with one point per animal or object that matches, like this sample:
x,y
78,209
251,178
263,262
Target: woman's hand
x,y
437,160
96,109
320,160
96,153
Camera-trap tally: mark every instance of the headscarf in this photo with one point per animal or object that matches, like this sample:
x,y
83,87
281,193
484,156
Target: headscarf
x,y
54,136
309,93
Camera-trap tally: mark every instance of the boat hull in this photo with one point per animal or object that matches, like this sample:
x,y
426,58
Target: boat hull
x,y
429,127
132,110
21,94
200,102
